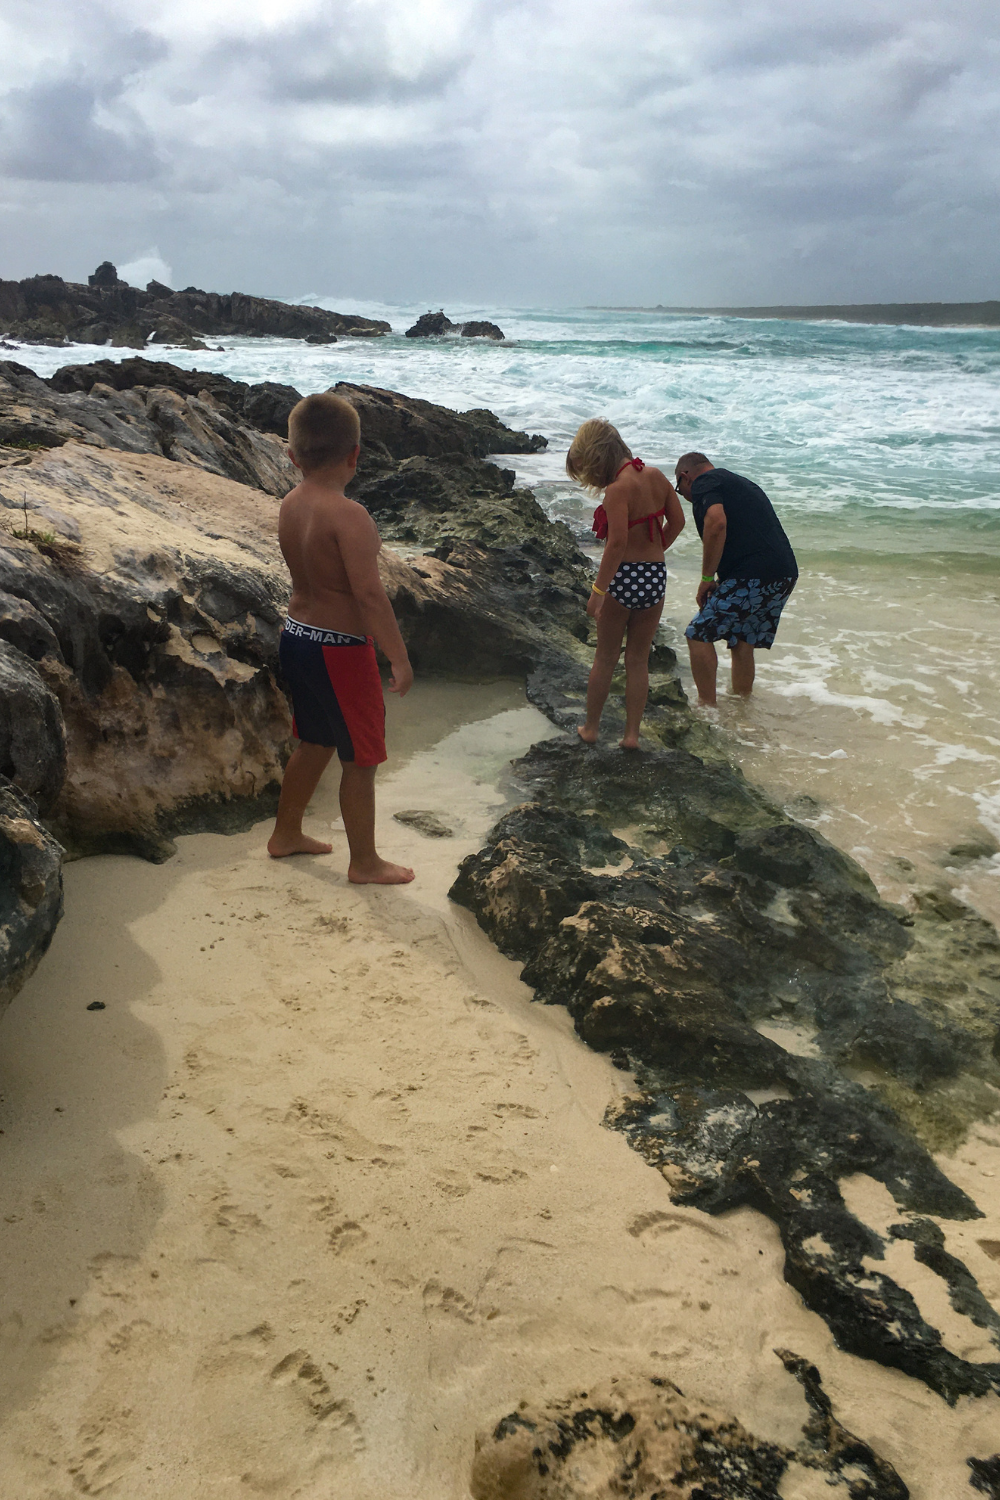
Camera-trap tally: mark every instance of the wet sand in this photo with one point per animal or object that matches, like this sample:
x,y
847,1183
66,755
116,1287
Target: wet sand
x,y
874,722
320,1192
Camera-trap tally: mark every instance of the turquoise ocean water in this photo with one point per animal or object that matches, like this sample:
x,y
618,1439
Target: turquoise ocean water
x,y
878,713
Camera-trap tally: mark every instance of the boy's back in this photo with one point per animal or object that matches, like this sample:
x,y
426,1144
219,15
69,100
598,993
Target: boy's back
x,y
320,531
338,609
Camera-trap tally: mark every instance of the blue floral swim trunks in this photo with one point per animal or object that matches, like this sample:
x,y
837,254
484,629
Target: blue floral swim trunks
x,y
742,609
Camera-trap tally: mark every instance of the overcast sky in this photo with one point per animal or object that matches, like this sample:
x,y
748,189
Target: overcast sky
x,y
559,152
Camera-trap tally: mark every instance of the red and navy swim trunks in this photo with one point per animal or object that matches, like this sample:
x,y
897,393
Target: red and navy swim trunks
x,y
336,691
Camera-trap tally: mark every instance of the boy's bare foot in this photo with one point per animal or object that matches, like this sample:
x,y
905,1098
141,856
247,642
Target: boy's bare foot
x,y
630,742
379,872
300,844
589,736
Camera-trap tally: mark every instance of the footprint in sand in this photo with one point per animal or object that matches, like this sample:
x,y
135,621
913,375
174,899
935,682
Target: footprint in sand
x,y
274,1422
303,1376
346,1236
108,1448
452,1184
445,1299
655,1224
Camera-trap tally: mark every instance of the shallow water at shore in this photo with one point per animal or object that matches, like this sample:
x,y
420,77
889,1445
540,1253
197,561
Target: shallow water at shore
x,y
885,740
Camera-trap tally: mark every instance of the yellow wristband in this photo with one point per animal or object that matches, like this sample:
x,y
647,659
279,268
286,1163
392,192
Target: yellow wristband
x,y
595,590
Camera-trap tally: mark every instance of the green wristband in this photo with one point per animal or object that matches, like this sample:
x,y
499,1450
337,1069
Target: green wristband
x,y
708,577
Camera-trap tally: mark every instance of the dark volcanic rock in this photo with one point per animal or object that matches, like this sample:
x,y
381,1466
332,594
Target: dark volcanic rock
x,y
165,331
482,330
719,949
430,325
32,734
43,307
393,426
142,406
638,1436
106,275
260,317
985,1476
31,898
267,406
460,618
127,374
397,426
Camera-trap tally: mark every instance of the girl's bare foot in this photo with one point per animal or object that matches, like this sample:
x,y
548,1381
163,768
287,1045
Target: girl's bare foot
x,y
589,736
630,742
379,872
300,843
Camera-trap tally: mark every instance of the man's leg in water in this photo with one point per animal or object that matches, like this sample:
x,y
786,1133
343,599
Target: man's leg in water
x,y
357,804
641,630
743,669
305,766
704,665
611,623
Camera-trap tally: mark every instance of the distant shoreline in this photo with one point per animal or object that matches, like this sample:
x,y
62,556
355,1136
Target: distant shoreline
x,y
928,314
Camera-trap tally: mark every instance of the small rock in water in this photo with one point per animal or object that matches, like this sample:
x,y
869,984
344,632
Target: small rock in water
x,y
982,847
427,823
482,330
430,325
97,1005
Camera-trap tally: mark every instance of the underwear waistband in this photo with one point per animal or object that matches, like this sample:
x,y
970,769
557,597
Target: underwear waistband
x,y
320,636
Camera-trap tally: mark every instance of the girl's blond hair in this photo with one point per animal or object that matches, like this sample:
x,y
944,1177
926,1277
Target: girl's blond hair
x,y
596,454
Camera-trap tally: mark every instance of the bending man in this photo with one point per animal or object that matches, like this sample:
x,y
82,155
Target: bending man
x,y
748,571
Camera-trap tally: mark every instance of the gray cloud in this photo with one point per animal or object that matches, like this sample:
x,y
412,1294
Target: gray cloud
x,y
587,151
51,133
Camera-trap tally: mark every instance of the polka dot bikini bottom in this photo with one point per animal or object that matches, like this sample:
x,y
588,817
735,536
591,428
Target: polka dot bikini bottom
x,y
639,585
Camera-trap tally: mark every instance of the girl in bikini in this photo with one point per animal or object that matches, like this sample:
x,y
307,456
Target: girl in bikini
x,y
640,518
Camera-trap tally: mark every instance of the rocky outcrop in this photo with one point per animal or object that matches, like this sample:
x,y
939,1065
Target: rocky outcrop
x,y
31,899
396,426
482,330
640,1437
264,406
137,663
173,415
431,325
140,405
436,325
42,308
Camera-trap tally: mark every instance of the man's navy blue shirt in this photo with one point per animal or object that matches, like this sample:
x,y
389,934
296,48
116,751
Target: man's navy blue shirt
x,y
756,546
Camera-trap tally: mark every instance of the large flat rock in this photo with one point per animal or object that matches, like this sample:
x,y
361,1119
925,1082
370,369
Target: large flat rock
x,y
146,603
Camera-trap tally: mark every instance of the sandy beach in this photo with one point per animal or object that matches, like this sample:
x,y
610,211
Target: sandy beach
x,y
319,1193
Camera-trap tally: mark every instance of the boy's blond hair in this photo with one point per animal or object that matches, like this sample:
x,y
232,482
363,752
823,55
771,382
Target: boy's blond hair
x,y
596,454
322,430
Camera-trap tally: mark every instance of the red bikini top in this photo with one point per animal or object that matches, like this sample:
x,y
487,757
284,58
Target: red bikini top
x,y
599,525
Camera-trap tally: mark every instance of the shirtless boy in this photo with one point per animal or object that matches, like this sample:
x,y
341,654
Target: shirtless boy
x,y
327,654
